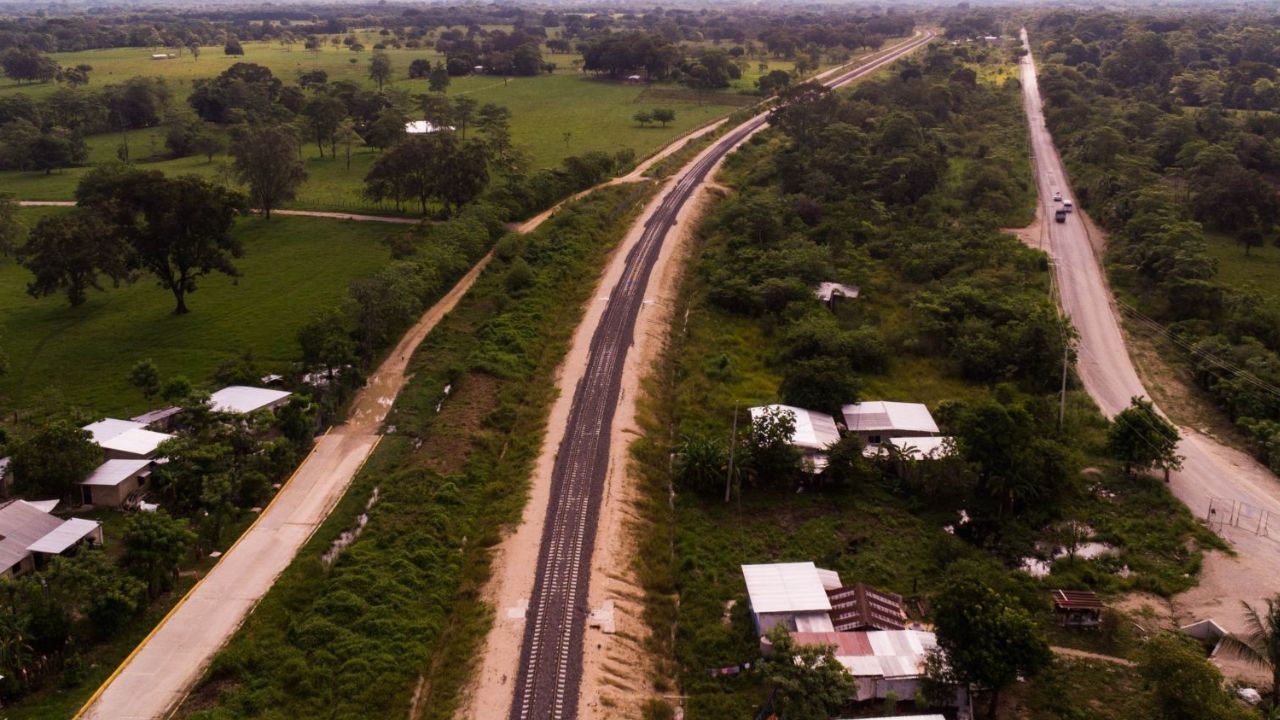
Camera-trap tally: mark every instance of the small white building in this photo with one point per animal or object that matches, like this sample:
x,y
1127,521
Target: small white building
x,y
793,595
424,127
114,481
829,292
243,399
125,439
163,56
814,432
29,535
874,421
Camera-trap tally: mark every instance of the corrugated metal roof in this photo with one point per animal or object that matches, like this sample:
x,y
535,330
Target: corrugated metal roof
x,y
1077,600
157,415
876,653
785,587
64,536
240,399
814,622
135,442
882,415
20,525
814,430
113,472
104,430
860,607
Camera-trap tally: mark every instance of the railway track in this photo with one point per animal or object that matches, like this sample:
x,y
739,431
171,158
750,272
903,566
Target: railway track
x,y
550,670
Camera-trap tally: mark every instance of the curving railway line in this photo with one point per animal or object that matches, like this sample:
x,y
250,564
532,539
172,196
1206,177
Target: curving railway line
x,y
550,669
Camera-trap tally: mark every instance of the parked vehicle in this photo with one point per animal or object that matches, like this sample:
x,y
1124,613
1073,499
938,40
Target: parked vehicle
x,y
1060,215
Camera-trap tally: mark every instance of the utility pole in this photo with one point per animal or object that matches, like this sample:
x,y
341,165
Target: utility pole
x,y
733,444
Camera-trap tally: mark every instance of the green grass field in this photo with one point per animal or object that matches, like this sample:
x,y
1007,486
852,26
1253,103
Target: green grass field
x,y
292,267
1260,268
553,116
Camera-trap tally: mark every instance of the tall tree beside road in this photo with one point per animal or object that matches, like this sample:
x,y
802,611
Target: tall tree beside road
x,y
69,252
266,159
178,229
54,459
154,545
432,166
988,642
1143,439
380,68
324,115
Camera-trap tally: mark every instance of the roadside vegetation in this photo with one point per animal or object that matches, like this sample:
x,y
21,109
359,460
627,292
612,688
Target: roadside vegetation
x,y
1169,126
899,187
398,609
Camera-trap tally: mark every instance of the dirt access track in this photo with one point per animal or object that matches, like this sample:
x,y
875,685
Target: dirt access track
x,y
1213,475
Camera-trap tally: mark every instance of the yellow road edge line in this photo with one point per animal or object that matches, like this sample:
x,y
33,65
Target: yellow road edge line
x,y
182,601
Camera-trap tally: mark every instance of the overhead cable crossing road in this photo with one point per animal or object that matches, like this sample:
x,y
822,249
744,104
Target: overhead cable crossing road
x,y
550,669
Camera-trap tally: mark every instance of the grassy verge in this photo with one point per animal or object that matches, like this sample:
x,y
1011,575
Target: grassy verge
x,y
399,611
80,356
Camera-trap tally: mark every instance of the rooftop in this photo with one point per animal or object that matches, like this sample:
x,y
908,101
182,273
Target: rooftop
x,y
827,290
1076,600
877,653
814,430
241,399
104,430
882,415
113,472
64,536
135,442
155,416
860,607
789,587
22,524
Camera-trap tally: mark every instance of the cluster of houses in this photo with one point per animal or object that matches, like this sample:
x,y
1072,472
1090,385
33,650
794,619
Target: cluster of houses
x,y
902,429
29,532
868,628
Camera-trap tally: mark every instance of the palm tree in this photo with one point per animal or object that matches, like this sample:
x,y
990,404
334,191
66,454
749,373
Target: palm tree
x,y
1262,645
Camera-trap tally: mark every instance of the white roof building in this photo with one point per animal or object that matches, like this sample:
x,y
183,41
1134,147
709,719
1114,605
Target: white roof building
x,y
814,430
104,430
826,291
113,472
26,529
125,438
883,661
897,419
790,594
423,127
242,399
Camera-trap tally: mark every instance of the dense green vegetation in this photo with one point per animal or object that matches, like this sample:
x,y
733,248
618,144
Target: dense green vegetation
x,y
1170,126
352,637
899,187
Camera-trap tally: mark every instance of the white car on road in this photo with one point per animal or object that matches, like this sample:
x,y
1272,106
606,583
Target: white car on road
x,y
1057,197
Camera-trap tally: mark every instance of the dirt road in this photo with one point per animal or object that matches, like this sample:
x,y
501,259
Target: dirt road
x,y
296,213
1246,491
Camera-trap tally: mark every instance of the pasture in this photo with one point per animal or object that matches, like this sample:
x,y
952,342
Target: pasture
x,y
292,267
1260,269
552,116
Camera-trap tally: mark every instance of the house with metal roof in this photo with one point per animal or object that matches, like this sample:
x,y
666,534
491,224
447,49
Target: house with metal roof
x,y
862,607
1077,608
29,535
883,662
814,432
125,439
244,399
114,481
875,421
793,595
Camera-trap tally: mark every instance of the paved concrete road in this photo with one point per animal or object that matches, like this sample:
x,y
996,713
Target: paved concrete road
x,y
1210,470
156,678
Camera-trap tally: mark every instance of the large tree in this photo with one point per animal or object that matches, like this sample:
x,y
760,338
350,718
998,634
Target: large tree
x,y
154,545
1143,439
324,115
178,229
807,680
266,159
69,252
380,68
55,459
1184,684
987,641
28,64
